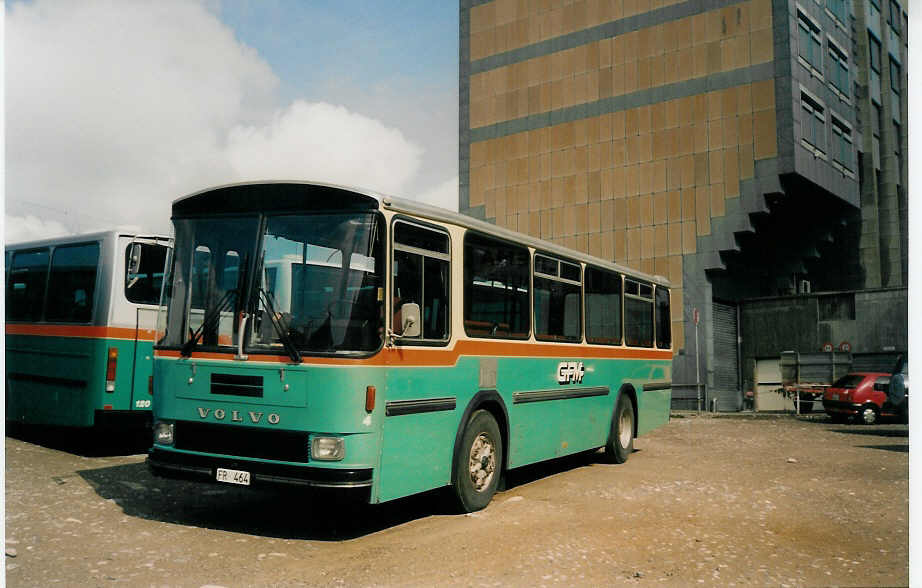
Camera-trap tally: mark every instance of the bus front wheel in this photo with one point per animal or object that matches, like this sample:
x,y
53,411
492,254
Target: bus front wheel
x,y
478,462
620,443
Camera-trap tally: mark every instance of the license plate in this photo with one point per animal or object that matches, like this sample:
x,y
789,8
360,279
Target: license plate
x,y
233,476
835,396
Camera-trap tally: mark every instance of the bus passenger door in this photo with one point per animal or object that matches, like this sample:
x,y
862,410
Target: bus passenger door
x,y
142,369
144,259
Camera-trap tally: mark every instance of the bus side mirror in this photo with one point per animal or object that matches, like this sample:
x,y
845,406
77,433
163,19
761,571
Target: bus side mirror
x,y
134,259
409,314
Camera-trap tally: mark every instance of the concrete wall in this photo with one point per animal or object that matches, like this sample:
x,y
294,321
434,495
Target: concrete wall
x,y
772,325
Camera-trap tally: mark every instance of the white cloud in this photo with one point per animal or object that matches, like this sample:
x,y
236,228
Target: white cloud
x,y
115,109
444,195
29,228
324,142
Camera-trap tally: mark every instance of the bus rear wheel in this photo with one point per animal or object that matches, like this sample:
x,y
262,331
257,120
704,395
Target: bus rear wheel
x,y
478,462
620,443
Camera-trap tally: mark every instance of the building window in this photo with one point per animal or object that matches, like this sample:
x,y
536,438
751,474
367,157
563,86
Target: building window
x,y
874,46
838,68
837,307
813,122
839,9
893,17
841,143
894,76
811,45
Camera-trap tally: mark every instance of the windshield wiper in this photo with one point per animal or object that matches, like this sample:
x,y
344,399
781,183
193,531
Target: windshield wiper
x,y
225,303
280,327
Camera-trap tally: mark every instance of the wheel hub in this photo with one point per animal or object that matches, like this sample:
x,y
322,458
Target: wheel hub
x,y
625,428
482,463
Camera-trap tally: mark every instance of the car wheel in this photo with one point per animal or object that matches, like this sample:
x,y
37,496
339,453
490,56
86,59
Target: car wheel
x,y
868,415
620,443
478,462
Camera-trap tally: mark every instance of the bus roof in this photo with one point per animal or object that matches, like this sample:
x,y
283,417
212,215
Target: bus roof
x,y
434,213
82,238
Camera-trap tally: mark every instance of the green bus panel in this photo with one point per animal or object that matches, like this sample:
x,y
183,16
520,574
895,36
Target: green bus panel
x,y
62,380
412,449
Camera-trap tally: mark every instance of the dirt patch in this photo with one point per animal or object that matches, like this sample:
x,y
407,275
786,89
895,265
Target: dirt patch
x,y
781,501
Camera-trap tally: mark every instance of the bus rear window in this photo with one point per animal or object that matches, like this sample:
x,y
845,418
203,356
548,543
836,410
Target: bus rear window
x,y
25,291
72,286
663,325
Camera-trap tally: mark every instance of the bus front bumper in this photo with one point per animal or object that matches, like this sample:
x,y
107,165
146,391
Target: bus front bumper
x,y
172,464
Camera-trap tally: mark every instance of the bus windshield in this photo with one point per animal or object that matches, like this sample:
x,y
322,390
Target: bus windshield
x,y
310,282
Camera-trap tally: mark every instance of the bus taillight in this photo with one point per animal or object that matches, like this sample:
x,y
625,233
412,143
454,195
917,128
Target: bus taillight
x,y
110,369
150,385
369,399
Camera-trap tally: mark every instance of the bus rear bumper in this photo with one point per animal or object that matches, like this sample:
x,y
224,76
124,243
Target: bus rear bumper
x,y
172,464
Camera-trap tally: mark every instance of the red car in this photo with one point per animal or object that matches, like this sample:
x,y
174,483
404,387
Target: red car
x,y
861,396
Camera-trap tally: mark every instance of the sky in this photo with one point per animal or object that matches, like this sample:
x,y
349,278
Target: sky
x,y
115,108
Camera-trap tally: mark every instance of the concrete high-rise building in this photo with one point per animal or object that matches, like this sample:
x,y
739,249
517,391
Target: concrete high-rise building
x,y
743,149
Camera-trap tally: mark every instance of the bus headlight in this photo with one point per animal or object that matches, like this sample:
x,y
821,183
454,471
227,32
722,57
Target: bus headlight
x,y
327,448
163,433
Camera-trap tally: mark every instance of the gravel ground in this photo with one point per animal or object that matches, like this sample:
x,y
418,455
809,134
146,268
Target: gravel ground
x,y
703,501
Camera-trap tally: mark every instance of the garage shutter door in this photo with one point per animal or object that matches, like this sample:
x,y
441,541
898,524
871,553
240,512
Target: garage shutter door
x,y
726,362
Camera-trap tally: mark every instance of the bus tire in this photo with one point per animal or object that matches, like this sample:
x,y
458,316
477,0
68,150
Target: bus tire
x,y
620,442
478,462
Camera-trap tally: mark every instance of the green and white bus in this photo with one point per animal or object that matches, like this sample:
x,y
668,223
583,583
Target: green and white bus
x,y
81,313
324,336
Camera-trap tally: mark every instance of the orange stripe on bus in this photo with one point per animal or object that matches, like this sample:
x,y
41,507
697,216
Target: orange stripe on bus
x,y
449,356
85,331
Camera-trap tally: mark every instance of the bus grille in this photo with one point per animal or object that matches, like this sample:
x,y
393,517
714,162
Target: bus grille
x,y
242,441
236,385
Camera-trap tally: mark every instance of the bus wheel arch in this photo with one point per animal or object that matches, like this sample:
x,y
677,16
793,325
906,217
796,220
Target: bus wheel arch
x,y
490,402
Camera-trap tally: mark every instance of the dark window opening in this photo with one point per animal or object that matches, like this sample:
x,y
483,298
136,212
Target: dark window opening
x,y
25,291
421,276
72,285
603,307
638,314
558,304
838,307
144,287
663,319
496,292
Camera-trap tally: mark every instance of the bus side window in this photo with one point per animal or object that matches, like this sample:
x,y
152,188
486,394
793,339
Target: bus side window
x,y
603,307
421,276
143,287
638,314
73,283
496,288
663,319
557,299
25,291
